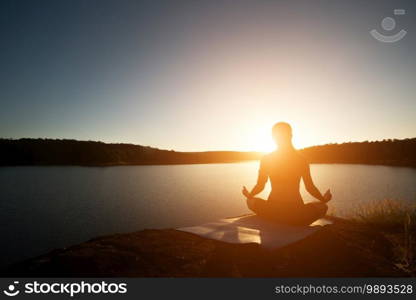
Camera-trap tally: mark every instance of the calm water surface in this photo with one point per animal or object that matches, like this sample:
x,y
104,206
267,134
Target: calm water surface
x,y
42,208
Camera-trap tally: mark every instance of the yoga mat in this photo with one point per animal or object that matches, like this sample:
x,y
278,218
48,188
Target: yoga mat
x,y
252,229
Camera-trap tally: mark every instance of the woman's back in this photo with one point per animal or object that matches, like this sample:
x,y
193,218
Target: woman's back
x,y
284,169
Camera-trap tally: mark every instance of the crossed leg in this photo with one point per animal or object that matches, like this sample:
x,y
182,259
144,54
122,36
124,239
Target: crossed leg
x,y
302,215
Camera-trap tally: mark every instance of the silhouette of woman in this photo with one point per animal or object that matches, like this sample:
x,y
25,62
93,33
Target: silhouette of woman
x,y
285,167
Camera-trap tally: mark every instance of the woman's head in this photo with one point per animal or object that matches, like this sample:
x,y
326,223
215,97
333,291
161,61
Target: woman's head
x,y
282,134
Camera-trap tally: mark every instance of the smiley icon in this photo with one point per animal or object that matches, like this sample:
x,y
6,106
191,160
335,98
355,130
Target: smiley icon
x,y
11,289
389,24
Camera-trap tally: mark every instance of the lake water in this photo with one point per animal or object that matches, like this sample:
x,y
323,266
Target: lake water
x,y
42,208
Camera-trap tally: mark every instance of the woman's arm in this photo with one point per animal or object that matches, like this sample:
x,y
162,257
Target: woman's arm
x,y
312,189
261,182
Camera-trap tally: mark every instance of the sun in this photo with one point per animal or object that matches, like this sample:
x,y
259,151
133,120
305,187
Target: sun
x,y
266,145
262,141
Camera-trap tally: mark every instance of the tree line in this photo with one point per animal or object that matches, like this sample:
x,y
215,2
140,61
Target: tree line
x,y
387,152
72,152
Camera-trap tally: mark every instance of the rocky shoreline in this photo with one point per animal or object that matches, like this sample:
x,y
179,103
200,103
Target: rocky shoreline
x,y
343,249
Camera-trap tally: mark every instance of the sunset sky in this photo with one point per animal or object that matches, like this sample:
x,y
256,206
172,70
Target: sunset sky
x,y
206,75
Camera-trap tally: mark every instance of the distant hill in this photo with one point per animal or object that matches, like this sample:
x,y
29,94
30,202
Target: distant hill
x,y
386,152
72,152
89,153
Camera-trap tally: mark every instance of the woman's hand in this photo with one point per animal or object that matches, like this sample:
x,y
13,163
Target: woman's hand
x,y
327,196
246,193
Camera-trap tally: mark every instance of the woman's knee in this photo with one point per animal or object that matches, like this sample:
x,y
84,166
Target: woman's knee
x,y
322,208
257,205
251,204
318,208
